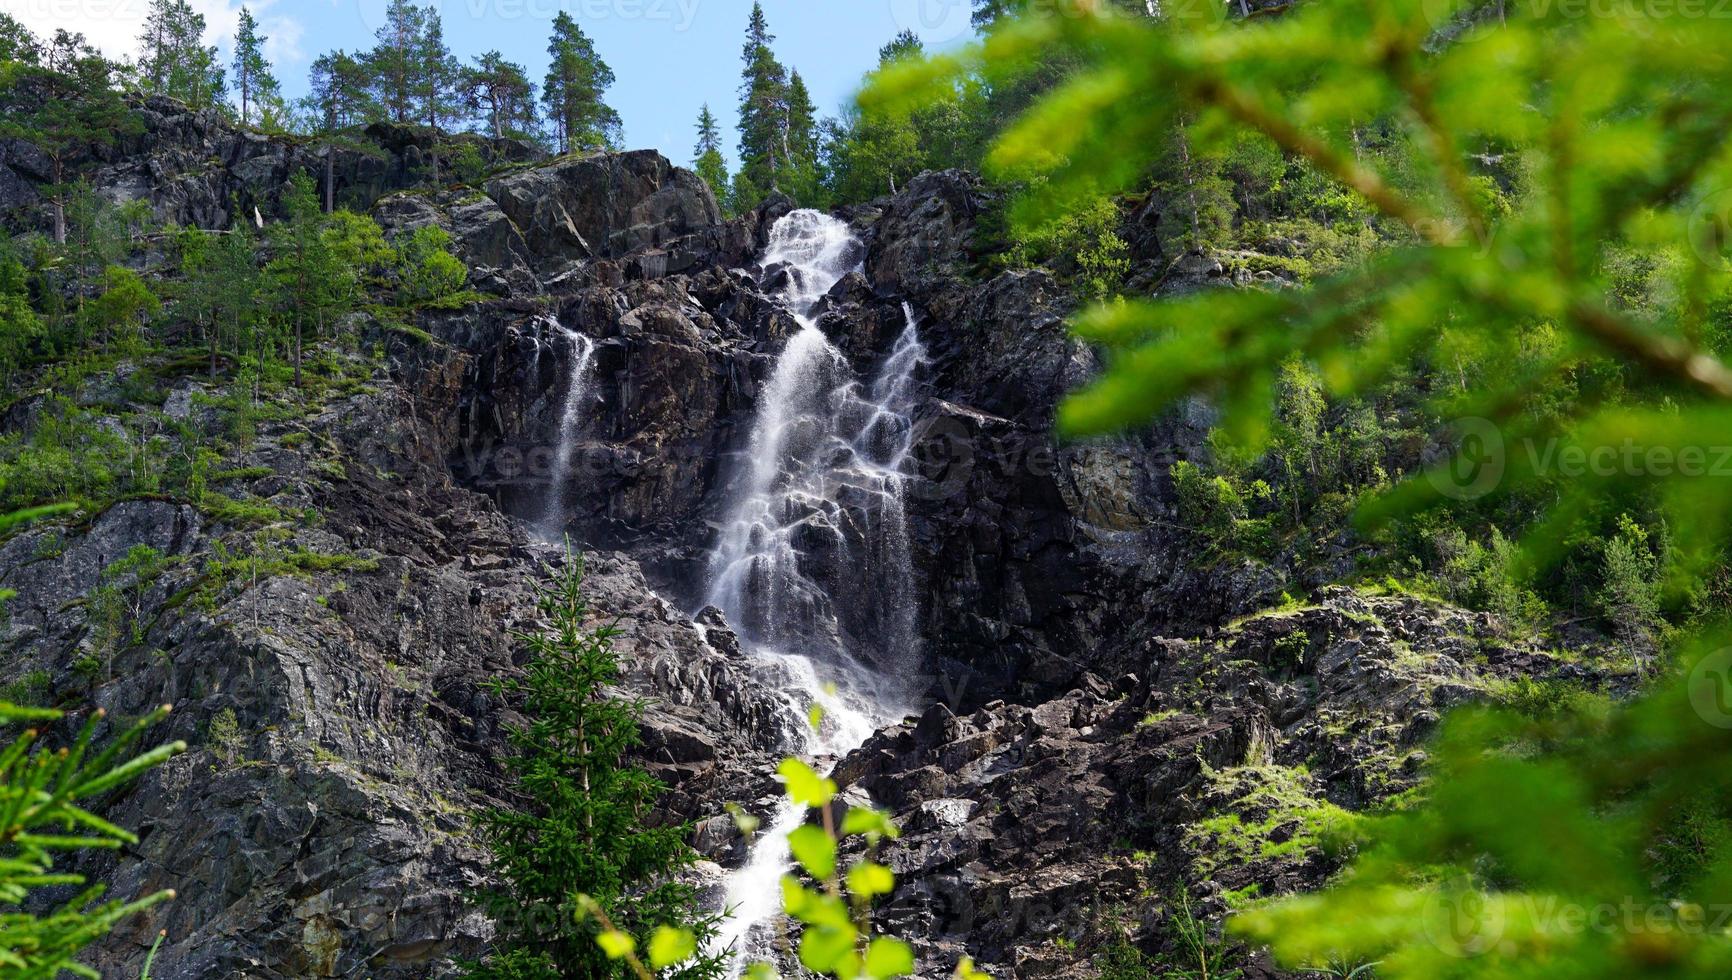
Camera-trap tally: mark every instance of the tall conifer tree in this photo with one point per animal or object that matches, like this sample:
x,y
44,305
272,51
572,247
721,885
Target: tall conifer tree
x,y
252,72
577,80
707,156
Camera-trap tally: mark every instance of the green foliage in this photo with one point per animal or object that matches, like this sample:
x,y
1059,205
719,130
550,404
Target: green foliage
x,y
224,732
500,91
707,157
254,82
1274,813
1589,219
427,273
21,327
45,795
580,864
65,455
173,59
573,94
63,111
119,315
1083,245
116,614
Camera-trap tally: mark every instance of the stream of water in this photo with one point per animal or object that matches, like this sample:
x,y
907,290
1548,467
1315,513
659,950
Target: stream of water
x,y
812,565
572,411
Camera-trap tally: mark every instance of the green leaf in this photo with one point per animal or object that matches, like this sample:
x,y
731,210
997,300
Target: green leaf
x,y
804,785
617,945
743,821
871,822
887,957
814,849
868,880
829,950
670,945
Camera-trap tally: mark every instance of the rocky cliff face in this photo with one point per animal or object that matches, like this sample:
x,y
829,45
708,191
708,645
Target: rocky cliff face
x,y
1086,704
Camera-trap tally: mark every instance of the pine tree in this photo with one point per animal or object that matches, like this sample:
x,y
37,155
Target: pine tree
x,y
339,95
64,108
253,78
584,831
577,80
903,46
17,43
763,112
395,61
173,59
439,78
500,92
707,157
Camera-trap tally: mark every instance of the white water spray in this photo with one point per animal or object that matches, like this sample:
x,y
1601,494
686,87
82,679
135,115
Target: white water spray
x,y
572,413
812,564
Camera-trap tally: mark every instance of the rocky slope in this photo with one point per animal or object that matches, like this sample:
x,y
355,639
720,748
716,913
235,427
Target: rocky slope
x,y
1100,722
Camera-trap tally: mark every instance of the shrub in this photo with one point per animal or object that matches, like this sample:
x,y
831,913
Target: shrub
x,y
427,272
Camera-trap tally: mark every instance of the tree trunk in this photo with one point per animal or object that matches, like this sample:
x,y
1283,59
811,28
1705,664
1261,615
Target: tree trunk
x,y
330,177
59,203
297,352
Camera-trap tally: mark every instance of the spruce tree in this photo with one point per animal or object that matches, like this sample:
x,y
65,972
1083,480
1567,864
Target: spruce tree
x,y
707,157
173,59
501,94
800,143
763,113
252,72
41,788
577,80
339,95
585,828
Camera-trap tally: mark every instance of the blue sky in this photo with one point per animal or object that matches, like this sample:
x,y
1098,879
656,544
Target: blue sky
x,y
670,56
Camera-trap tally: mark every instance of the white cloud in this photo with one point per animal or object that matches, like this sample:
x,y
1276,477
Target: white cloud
x,y
114,26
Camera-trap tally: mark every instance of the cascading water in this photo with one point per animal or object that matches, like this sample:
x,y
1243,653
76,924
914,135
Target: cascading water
x,y
812,564
571,416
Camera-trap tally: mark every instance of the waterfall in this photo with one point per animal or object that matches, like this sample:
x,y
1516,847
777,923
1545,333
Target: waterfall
x,y
571,418
811,565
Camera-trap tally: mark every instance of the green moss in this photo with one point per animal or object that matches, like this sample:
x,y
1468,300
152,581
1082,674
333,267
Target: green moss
x,y
243,473
1274,814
